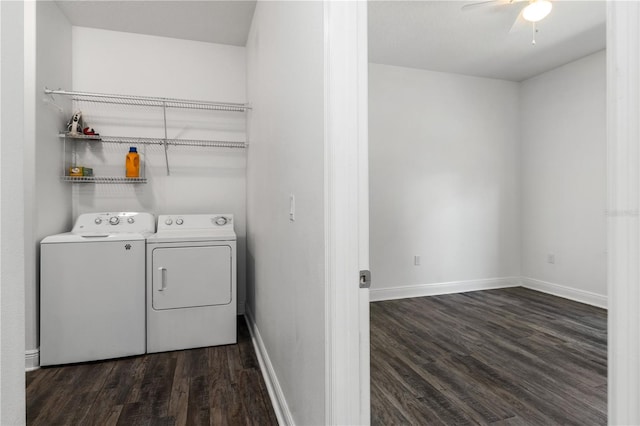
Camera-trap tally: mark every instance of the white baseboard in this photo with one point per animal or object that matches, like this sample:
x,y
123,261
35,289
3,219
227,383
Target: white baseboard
x,y
571,293
32,359
421,290
283,414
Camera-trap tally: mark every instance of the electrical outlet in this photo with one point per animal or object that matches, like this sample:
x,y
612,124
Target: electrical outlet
x,y
551,258
416,260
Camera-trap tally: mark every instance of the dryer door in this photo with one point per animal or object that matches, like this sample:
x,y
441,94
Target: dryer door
x,y
185,277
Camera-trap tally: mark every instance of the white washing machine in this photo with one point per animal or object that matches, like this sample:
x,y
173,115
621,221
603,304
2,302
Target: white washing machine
x,y
191,282
92,289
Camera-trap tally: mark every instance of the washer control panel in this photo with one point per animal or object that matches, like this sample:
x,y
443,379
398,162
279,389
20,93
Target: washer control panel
x,y
114,223
194,221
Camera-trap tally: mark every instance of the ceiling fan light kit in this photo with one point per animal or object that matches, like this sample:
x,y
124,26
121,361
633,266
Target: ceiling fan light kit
x,y
534,12
537,10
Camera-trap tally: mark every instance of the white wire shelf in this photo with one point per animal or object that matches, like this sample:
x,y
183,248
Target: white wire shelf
x,y
150,101
138,101
102,179
156,141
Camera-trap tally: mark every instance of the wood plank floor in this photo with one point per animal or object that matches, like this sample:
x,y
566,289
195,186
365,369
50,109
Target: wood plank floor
x,y
219,385
501,357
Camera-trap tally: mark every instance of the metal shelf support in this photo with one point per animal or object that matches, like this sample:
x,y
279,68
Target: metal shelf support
x,y
166,156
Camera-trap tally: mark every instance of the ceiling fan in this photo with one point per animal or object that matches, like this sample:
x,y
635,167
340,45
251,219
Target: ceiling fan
x,y
534,11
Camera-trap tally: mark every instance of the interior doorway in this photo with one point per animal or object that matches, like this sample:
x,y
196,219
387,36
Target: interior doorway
x,y
451,213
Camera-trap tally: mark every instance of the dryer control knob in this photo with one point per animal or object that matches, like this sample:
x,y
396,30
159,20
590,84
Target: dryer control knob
x,y
114,220
168,221
131,220
179,221
98,221
221,220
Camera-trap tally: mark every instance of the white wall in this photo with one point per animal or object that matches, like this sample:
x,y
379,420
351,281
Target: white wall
x,y
202,180
485,179
12,239
287,259
47,199
444,181
563,122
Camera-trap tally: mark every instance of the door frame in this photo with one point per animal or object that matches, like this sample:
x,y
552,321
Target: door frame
x,y
347,396
13,188
623,200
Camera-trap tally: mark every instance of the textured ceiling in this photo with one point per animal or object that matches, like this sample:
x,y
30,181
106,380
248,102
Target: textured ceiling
x,y
439,36
433,35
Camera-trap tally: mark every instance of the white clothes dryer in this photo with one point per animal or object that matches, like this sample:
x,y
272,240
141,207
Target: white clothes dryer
x,y
92,289
191,282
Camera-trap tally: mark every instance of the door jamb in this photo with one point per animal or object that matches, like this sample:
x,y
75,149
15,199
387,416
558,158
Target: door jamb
x,y
344,53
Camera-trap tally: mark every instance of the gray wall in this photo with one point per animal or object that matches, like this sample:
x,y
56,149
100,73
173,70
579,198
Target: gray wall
x,y
47,199
202,180
563,122
444,173
286,260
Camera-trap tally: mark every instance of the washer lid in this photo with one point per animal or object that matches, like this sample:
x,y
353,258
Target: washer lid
x,y
192,236
94,237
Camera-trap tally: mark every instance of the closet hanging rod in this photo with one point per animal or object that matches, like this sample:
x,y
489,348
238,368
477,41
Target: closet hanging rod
x,y
150,101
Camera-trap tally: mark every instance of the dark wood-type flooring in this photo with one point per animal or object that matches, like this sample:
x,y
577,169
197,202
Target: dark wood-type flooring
x,y
502,357
216,385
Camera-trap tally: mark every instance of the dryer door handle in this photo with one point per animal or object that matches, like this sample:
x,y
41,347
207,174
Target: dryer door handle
x,y
163,278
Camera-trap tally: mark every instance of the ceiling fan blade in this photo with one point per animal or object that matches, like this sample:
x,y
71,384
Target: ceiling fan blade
x,y
470,6
475,5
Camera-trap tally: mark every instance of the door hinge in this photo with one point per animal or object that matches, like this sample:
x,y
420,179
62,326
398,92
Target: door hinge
x,y
365,279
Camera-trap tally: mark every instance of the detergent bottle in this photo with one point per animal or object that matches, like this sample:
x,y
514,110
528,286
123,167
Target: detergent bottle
x,y
133,163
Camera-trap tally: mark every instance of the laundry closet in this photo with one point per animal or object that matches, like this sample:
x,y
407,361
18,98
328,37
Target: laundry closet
x,y
192,155
277,184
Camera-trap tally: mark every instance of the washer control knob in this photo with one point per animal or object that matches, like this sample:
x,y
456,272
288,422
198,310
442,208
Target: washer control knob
x,y
168,222
114,220
98,221
221,220
179,221
131,220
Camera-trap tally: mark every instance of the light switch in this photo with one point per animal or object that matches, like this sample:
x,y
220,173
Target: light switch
x,y
292,207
